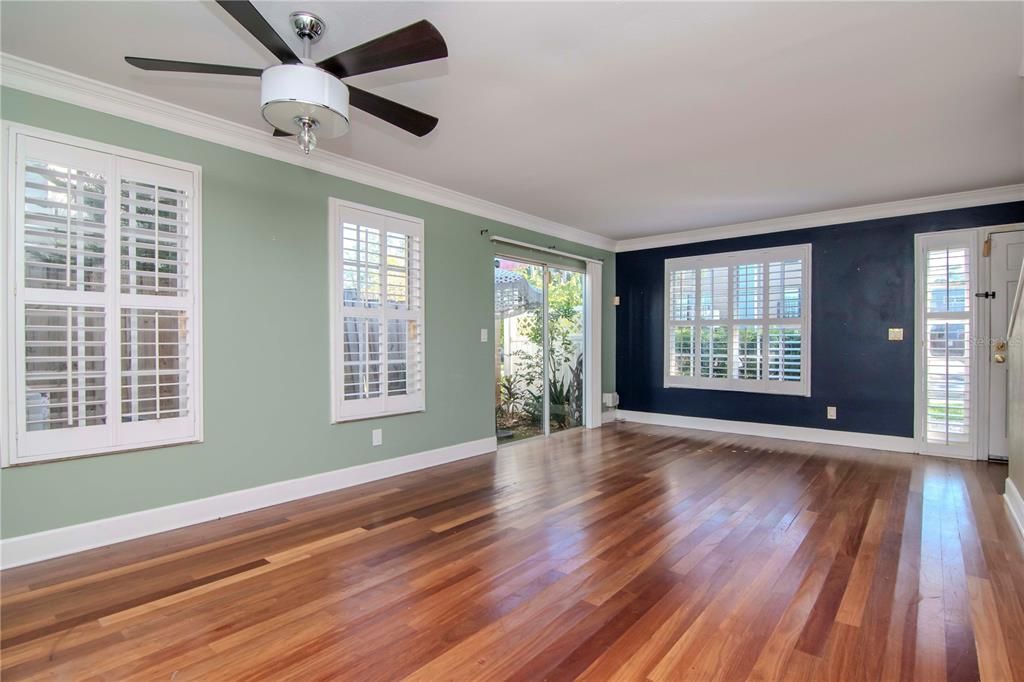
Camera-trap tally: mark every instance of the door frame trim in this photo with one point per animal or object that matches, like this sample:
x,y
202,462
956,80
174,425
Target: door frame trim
x,y
980,320
588,340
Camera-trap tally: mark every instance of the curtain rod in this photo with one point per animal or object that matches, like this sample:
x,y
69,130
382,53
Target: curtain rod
x,y
545,249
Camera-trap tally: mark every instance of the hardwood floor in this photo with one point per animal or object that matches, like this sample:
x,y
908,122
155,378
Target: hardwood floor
x,y
630,552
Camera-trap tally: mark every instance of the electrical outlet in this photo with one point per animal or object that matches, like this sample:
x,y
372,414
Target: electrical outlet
x,y
483,335
377,438
895,333
830,412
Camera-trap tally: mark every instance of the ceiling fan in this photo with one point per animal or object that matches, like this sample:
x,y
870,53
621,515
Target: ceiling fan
x,y
300,96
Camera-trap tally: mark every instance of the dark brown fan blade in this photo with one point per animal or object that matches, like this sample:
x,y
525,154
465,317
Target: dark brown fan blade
x,y
415,122
253,22
419,42
190,67
280,133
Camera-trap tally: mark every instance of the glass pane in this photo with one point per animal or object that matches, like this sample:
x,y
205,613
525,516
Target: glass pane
x,y
361,265
748,351
403,271
403,360
519,344
681,360
748,292
361,358
784,353
785,285
714,293
948,281
65,227
565,339
154,364
154,239
65,367
682,295
714,351
947,382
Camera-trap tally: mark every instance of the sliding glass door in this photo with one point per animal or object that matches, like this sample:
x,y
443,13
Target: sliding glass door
x,y
565,349
539,349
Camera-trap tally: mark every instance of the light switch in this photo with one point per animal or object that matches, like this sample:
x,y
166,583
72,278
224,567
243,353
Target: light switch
x,y
483,335
377,438
895,333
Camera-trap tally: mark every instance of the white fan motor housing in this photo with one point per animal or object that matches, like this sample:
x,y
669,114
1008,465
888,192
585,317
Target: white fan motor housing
x,y
291,92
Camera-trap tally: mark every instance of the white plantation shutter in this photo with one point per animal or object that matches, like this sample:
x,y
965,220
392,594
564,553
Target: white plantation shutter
x,y
101,270
155,306
376,312
946,340
739,321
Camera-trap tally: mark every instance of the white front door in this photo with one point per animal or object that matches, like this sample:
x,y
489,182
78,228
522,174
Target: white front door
x,y
1004,262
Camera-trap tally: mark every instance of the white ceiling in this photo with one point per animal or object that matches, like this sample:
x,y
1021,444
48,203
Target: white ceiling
x,y
624,119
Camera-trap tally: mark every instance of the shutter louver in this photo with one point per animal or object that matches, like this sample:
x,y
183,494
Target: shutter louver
x,y
65,367
154,240
64,227
154,364
784,351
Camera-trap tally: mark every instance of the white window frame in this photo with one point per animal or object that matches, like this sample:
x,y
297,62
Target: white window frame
x,y
729,259
370,408
968,238
120,437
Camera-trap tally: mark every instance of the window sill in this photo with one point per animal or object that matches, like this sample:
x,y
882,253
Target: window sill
x,y
63,457
794,388
376,415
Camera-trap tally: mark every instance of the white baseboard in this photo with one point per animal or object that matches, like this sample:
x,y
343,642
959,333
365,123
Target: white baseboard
x,y
1015,504
27,549
608,416
826,436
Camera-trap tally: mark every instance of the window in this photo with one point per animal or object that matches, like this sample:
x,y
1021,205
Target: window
x,y
376,266
103,325
739,321
945,319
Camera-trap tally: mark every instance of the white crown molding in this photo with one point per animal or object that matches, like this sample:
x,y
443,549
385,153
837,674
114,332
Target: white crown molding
x,y
890,209
28,549
47,81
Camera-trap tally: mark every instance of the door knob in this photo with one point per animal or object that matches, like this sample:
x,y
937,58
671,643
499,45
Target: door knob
x,y
999,355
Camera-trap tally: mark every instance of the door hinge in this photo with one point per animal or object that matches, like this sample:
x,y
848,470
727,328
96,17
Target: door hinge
x,y
985,294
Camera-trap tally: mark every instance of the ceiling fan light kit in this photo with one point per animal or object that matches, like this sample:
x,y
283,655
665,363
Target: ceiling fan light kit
x,y
299,98
292,93
307,99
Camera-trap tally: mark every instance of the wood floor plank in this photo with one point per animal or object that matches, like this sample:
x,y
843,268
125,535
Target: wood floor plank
x,y
629,552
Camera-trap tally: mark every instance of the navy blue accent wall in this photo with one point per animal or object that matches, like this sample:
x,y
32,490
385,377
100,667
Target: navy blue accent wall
x,y
862,284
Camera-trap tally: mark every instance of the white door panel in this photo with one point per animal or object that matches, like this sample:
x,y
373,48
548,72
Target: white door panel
x,y
1005,261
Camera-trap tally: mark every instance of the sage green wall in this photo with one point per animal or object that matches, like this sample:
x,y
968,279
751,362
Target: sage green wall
x,y
265,335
